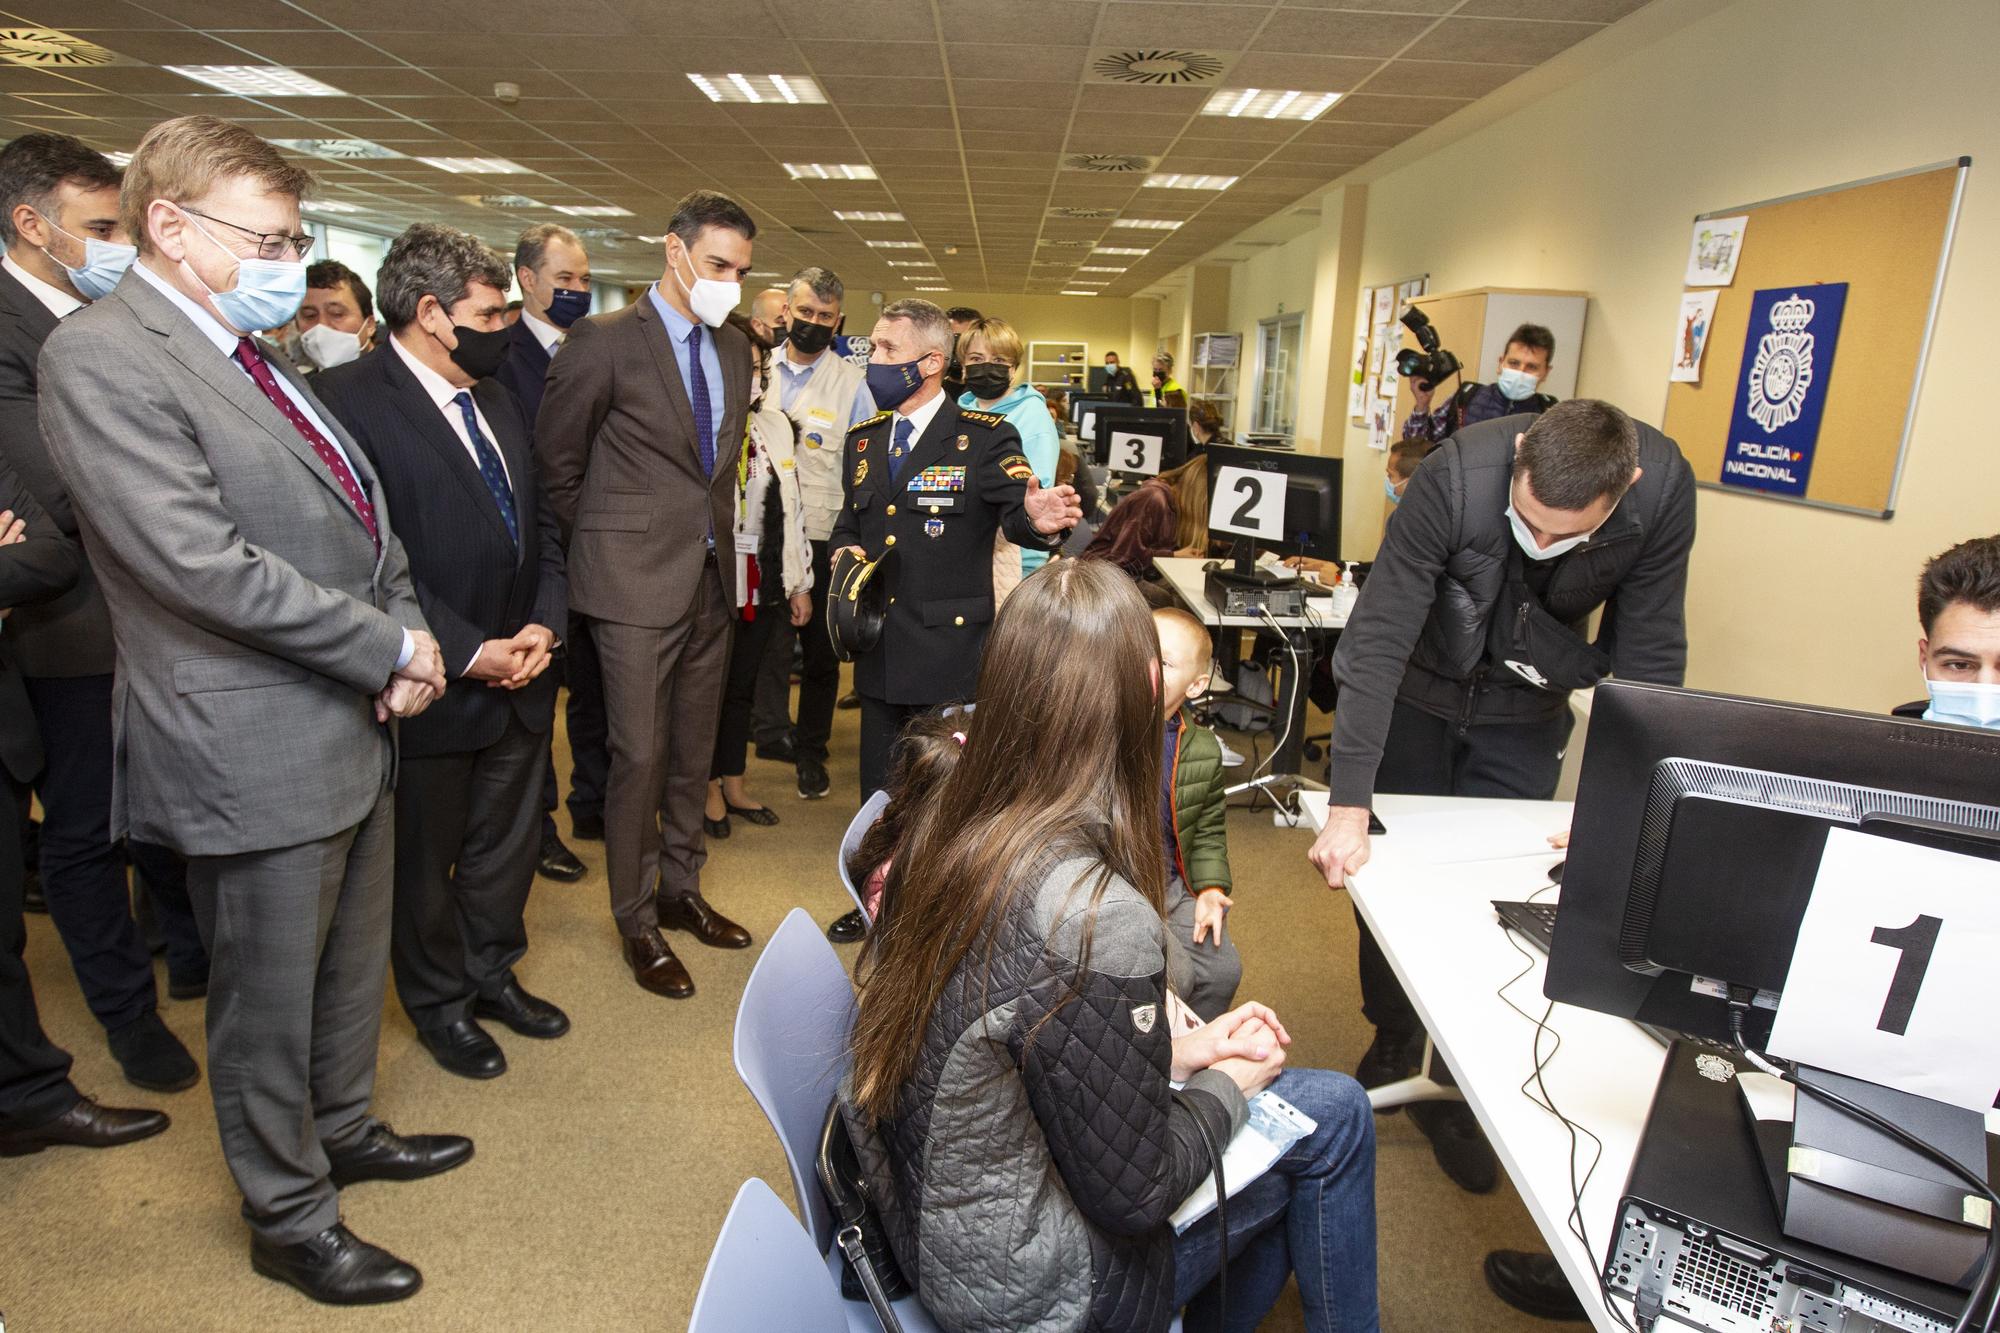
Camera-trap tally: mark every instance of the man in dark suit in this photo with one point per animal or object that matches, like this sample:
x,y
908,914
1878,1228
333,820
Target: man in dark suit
x,y
639,436
932,481
267,634
553,269
39,1107
65,244
455,459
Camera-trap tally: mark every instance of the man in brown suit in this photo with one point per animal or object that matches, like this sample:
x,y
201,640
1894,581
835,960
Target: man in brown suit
x,y
640,430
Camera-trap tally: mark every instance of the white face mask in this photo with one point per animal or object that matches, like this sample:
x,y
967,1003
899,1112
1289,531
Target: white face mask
x,y
710,298
1526,539
1967,703
1514,385
329,347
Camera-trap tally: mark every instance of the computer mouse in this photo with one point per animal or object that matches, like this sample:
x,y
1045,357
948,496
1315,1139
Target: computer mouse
x,y
1210,566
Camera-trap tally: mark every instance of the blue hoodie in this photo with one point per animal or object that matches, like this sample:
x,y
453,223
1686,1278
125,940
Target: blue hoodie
x,y
1024,406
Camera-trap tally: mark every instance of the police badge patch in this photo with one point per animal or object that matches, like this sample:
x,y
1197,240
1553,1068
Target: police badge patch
x,y
1016,466
1144,1016
861,472
933,527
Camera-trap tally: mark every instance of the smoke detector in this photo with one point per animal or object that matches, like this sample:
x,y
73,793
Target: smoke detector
x,y
1111,162
1162,68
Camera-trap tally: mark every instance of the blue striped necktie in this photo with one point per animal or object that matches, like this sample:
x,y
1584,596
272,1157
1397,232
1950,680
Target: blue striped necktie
x,y
490,470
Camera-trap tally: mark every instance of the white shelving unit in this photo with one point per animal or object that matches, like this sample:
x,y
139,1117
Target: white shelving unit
x,y
1212,373
1058,365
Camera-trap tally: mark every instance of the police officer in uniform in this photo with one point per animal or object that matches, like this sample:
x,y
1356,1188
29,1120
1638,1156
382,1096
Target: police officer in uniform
x,y
932,482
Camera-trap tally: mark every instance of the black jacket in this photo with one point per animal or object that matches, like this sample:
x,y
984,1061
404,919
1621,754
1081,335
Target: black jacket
x,y
470,581
525,370
1419,633
33,571
69,635
965,479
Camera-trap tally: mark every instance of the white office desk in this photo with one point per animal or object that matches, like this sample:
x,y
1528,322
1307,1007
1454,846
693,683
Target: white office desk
x,y
1436,924
1189,581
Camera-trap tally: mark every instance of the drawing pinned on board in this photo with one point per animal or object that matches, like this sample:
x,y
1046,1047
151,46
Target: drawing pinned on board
x,y
1691,334
1713,251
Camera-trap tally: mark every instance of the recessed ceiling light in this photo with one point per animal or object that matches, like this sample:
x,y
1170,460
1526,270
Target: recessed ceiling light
x,y
653,240
1076,291
119,159
593,211
331,206
1268,104
337,150
1117,250
897,245
475,166
256,80
868,217
1174,180
830,171
933,289
1148,224
1098,268
911,263
792,89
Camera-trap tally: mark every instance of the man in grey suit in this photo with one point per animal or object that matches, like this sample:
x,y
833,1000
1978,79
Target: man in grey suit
x,y
641,428
267,633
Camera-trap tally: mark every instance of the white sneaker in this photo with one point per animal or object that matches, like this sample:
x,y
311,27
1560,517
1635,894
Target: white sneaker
x,y
1230,759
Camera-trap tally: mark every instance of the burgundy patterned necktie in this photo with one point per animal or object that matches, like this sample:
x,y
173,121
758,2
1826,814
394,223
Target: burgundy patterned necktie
x,y
253,361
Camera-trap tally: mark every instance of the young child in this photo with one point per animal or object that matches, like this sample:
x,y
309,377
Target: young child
x,y
1192,818
928,749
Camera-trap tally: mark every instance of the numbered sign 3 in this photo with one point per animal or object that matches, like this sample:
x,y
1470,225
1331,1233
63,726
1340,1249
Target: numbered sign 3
x,y
1248,503
1133,452
1892,977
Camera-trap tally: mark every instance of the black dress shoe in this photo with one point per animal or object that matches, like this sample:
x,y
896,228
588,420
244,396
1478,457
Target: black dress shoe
x,y
530,1015
849,929
465,1049
383,1154
586,828
337,1267
152,1057
1533,1284
697,918
715,828
813,781
761,815
85,1125
780,751
559,862
1458,1144
31,894
655,967
849,700
187,988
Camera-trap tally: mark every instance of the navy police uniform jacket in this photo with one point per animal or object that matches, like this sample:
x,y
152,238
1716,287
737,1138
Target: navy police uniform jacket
x,y
964,479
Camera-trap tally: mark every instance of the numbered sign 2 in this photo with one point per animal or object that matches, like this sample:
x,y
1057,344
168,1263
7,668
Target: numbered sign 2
x,y
1133,452
1892,977
1248,503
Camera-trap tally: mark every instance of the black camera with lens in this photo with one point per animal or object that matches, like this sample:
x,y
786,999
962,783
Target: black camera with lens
x,y
1435,363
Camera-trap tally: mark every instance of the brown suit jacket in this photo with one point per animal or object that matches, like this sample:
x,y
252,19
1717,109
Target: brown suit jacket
x,y
621,469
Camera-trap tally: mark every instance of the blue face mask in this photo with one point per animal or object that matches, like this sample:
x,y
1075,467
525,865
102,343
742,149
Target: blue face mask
x,y
1389,489
267,291
1966,703
892,385
567,307
104,263
1514,385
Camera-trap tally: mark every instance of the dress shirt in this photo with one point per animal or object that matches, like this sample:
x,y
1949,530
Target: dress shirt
x,y
224,341
547,334
793,378
920,419
678,327
442,393
59,302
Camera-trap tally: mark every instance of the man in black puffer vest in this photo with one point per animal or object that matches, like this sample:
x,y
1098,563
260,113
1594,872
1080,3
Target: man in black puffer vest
x,y
1456,666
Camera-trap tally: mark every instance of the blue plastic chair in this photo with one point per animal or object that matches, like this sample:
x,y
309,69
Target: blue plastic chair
x,y
765,1274
857,829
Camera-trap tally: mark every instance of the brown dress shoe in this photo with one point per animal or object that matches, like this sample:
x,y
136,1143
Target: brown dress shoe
x,y
654,966
85,1125
695,916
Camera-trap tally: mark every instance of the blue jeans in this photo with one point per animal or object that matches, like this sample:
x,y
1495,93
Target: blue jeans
x,y
1313,1213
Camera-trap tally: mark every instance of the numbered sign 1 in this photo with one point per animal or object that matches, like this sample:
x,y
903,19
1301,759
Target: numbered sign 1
x,y
1892,977
1248,503
1132,452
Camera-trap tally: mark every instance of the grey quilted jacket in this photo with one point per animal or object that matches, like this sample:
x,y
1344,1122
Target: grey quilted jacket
x,y
1032,1162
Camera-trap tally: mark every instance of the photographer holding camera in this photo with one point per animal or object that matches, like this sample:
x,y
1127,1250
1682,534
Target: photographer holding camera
x,y
1515,391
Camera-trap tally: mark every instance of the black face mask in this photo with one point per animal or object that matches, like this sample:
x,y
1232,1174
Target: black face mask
x,y
810,338
480,354
988,382
775,338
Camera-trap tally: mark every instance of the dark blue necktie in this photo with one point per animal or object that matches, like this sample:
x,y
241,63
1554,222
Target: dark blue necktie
x,y
899,448
704,424
490,471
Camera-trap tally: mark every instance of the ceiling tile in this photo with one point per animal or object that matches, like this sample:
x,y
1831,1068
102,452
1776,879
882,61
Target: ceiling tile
x,y
886,63
1333,33
1150,26
1308,73
849,91
1012,93
1394,110
1434,78
1053,22
1377,6
1020,62
1359,132
814,18
1128,97
1582,11
1500,41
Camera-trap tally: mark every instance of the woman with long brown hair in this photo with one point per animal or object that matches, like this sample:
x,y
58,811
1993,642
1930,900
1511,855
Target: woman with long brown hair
x,y
1166,515
1016,1051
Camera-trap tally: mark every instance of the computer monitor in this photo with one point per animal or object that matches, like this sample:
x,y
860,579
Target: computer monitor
x,y
1699,826
1287,503
1083,409
1139,441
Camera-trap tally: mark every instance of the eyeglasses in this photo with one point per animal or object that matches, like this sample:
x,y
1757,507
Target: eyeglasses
x,y
270,244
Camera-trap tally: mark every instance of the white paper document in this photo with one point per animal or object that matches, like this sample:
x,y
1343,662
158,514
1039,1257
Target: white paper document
x,y
1453,837
1892,979
1713,249
1691,326
1273,1126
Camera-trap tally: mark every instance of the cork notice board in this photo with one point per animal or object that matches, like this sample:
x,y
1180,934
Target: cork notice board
x,y
1887,240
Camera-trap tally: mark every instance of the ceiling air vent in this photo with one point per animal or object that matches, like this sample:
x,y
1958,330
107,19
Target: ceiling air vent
x,y
1067,245
1107,162
1161,67
502,201
1082,212
44,48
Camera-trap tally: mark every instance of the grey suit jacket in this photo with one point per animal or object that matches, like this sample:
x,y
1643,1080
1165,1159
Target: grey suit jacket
x,y
254,618
621,469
